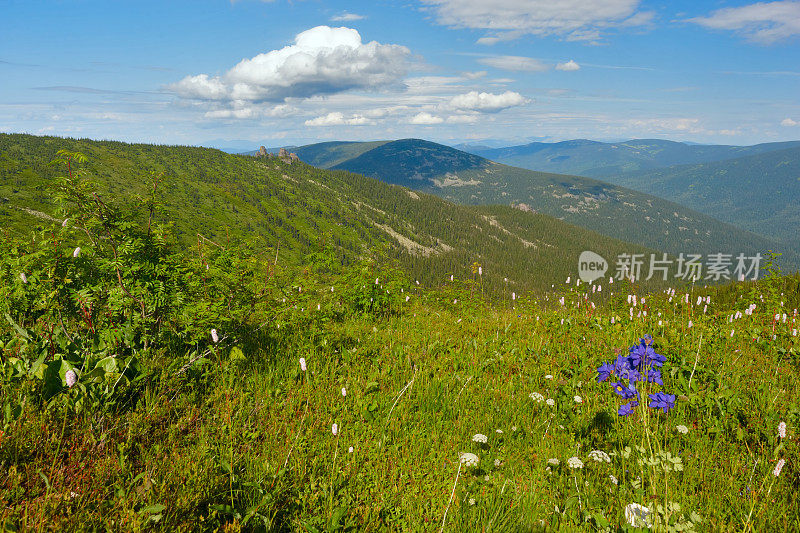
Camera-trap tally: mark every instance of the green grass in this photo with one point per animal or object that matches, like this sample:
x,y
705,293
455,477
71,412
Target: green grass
x,y
246,442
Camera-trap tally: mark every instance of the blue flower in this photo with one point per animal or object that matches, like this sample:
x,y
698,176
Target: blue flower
x,y
654,376
625,392
627,409
604,372
663,401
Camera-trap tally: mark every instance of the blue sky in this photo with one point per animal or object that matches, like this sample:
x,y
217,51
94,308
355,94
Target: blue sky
x,y
292,72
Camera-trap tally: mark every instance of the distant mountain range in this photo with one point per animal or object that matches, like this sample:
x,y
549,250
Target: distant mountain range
x,y
601,160
607,208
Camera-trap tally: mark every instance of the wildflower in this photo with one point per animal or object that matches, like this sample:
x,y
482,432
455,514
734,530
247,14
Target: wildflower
x,y
480,271
480,438
627,409
613,479
535,396
499,431
663,401
637,515
548,376
553,462
469,459
779,467
782,430
513,428
350,449
578,399
76,252
472,501
574,462
344,391
625,392
604,372
682,429
335,429
71,378
64,224
497,462
599,456
303,364
551,402
23,277
214,336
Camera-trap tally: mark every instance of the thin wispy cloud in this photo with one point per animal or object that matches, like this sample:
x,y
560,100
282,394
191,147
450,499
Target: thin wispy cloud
x,y
347,17
515,63
763,23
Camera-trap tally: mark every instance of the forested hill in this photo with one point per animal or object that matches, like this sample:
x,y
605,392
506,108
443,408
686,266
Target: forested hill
x,y
758,192
610,209
302,213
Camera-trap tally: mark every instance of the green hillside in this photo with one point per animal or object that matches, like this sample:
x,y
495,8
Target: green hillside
x,y
302,213
601,160
759,192
608,209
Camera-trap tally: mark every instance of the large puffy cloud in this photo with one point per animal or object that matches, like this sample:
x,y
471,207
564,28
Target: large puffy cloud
x,y
322,61
508,19
764,22
517,63
487,102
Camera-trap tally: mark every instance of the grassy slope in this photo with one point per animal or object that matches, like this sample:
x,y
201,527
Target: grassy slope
x,y
608,209
757,192
301,210
255,436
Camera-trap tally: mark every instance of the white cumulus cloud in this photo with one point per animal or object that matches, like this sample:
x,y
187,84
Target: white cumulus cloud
x,y
510,19
322,61
568,66
763,22
424,118
487,102
788,122
517,63
338,119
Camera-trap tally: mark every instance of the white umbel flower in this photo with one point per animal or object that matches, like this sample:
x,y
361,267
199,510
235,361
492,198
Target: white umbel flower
x,y
535,396
599,456
578,399
553,462
480,438
551,402
637,515
613,479
682,429
574,462
469,459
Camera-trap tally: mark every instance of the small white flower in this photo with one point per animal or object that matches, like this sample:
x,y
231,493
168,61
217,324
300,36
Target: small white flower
x,y
480,271
637,515
486,477
344,391
335,429
469,459
472,501
376,281
479,438
578,399
513,428
535,396
71,378
779,467
76,252
613,479
548,376
497,462
574,462
303,364
499,431
599,456
682,429
551,402
553,462
64,224
350,449
23,277
214,336
782,430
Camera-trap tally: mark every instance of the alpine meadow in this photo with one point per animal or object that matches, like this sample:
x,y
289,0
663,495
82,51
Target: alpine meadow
x,y
438,265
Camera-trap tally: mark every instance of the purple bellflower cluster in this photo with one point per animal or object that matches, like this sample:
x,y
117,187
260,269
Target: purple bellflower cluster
x,y
641,365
